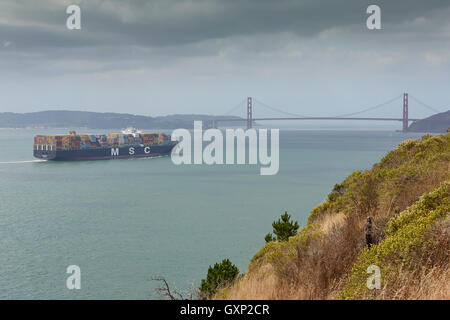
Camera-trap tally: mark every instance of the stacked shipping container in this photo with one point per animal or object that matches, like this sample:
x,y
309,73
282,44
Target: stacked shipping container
x,y
84,141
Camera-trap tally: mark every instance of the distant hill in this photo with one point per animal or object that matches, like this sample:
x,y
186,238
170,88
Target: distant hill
x,y
96,120
437,123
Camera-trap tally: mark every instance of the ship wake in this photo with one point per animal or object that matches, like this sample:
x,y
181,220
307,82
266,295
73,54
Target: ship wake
x,y
22,161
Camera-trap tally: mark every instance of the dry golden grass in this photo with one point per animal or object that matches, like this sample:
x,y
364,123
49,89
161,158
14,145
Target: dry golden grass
x,y
428,284
432,284
260,284
329,223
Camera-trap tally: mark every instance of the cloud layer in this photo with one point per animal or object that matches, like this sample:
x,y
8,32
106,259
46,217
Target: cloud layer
x,y
224,49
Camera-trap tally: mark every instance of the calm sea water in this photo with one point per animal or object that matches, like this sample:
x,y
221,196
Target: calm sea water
x,y
123,221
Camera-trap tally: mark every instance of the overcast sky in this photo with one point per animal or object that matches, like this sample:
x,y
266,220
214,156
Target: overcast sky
x,y
157,57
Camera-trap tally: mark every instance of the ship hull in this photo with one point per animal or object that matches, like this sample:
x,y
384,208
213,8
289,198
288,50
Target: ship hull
x,y
105,153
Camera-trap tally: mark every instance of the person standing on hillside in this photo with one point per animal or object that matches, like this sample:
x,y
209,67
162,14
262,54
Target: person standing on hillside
x,y
369,231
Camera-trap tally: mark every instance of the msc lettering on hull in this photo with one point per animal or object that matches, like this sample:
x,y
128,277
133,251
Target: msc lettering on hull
x,y
131,151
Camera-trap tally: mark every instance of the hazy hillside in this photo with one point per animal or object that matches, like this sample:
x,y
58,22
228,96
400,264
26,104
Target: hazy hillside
x,y
408,195
96,120
438,123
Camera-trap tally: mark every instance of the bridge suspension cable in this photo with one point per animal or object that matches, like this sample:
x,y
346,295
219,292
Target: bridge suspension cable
x,y
278,110
424,104
369,109
239,105
339,116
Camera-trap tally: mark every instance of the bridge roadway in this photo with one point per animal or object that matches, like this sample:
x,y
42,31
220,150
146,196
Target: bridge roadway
x,y
315,118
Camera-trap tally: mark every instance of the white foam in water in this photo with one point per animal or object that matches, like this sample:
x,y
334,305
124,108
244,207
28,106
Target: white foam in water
x,y
23,161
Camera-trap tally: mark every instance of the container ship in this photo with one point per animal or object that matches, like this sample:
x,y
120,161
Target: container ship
x,y
130,143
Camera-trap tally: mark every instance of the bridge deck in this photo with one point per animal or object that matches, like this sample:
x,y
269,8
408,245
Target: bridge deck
x,y
317,118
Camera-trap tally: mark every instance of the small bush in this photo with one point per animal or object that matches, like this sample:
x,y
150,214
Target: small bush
x,y
338,190
219,275
283,229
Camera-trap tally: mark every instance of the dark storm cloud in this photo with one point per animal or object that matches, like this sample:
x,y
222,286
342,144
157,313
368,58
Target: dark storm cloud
x,y
165,22
120,35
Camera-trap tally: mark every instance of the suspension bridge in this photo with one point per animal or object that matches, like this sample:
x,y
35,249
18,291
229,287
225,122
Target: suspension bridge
x,y
351,116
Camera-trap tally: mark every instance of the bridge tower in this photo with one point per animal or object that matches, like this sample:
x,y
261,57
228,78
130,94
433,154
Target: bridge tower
x,y
405,112
249,112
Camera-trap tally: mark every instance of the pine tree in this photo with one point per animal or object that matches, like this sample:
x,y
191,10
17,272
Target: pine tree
x,y
283,229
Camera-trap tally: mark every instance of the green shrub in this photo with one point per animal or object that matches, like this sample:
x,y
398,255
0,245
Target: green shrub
x,y
338,190
283,229
412,169
219,275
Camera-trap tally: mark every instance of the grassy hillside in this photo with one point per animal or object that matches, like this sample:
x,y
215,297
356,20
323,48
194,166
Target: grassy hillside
x,y
407,194
416,247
